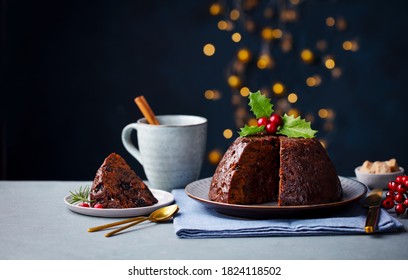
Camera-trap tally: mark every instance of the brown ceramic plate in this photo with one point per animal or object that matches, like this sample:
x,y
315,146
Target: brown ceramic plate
x,y
352,191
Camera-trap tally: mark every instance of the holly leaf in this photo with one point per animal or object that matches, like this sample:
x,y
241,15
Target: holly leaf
x,y
296,127
249,130
260,105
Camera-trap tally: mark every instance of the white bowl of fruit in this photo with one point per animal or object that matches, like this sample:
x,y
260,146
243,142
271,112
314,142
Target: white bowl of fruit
x,y
378,174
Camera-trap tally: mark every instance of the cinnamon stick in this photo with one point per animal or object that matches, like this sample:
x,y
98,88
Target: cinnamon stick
x,y
146,110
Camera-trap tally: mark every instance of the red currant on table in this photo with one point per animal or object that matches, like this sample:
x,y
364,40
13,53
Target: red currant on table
x,y
400,209
98,205
388,203
405,181
401,188
276,119
83,204
271,128
392,186
396,196
399,179
263,121
390,194
399,197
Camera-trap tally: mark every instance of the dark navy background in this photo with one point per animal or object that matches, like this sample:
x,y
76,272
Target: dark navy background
x,y
70,71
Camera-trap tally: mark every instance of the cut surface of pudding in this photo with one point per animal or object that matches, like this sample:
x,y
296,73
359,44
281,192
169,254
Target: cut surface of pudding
x,y
248,172
307,175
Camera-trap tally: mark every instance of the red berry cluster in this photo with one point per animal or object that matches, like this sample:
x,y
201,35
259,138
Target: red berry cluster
x,y
397,195
272,124
84,204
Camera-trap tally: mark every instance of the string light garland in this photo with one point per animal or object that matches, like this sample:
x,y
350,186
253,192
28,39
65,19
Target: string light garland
x,y
267,45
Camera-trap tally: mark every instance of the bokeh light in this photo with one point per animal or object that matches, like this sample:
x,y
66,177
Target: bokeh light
x,y
292,97
278,88
209,49
347,45
212,94
323,113
234,81
214,156
336,72
234,14
244,91
307,56
252,122
236,37
277,33
267,33
313,81
227,133
222,25
215,9
330,63
244,55
293,112
330,21
265,61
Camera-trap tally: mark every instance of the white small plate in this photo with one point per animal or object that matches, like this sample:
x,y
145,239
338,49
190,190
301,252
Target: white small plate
x,y
164,198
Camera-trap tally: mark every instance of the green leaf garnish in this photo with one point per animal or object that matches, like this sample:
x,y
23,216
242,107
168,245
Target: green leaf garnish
x,y
296,127
260,105
81,195
249,130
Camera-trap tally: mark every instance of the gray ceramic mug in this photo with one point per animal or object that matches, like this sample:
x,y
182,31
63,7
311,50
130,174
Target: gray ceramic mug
x,y
171,153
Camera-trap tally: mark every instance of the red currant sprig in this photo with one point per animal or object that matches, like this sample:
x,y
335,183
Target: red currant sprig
x,y
86,205
397,195
272,124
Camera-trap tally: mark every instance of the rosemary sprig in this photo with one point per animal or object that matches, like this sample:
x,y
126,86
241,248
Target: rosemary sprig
x,y
81,195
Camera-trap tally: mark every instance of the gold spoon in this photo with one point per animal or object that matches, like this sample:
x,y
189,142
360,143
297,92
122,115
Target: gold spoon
x,y
159,215
126,221
92,229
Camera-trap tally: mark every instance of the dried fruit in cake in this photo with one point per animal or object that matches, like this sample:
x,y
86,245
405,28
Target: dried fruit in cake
x,y
116,185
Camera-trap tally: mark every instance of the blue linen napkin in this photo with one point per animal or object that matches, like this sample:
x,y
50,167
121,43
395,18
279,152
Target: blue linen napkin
x,y
195,220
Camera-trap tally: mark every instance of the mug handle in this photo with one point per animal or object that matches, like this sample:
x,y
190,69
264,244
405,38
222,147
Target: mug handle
x,y
127,141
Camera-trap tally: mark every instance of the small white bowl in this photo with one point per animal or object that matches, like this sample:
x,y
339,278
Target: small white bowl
x,y
372,180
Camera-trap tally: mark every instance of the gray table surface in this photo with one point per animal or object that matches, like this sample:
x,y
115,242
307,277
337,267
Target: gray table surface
x,y
36,224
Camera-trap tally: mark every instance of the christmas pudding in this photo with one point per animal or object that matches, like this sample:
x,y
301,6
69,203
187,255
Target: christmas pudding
x,y
278,160
116,185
